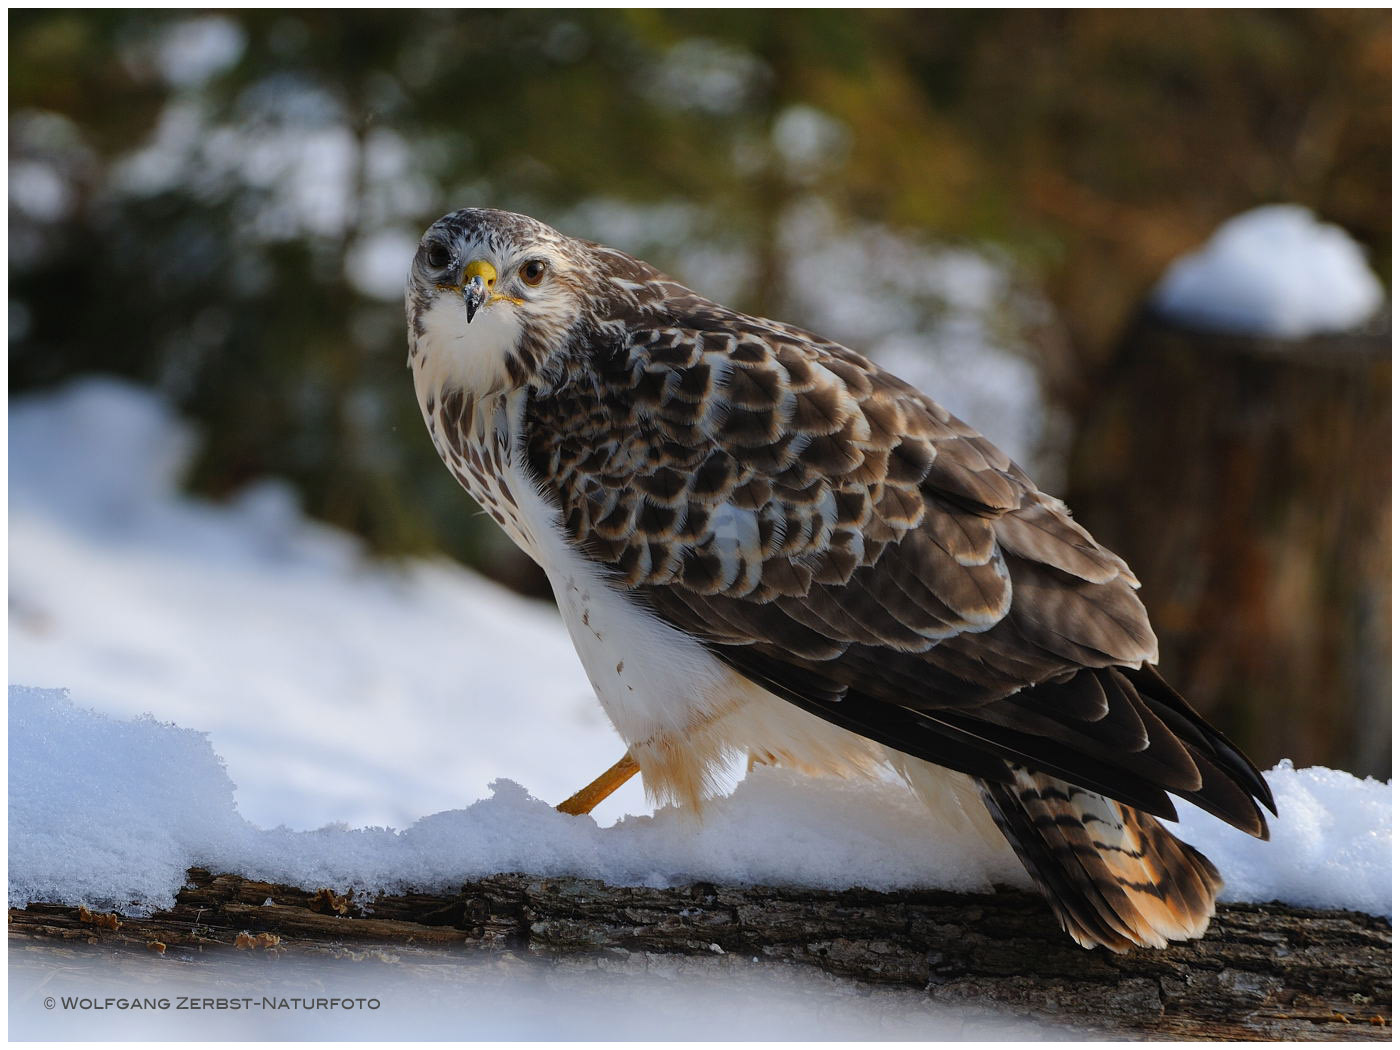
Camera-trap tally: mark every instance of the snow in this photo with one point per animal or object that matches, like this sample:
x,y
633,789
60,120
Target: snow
x,y
345,696
1273,271
109,809
336,687
290,161
1330,847
110,812
707,76
603,1001
39,191
809,141
375,265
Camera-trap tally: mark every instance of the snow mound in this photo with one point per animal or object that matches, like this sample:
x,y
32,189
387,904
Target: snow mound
x,y
105,810
1329,848
110,813
1272,271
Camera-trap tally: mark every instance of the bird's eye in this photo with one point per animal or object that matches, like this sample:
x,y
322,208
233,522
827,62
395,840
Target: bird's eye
x,y
532,273
439,255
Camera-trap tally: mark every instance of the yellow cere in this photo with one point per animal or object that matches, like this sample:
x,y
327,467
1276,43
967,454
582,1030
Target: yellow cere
x,y
480,268
483,269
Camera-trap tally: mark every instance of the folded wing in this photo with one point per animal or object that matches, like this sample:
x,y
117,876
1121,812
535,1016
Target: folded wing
x,y
833,534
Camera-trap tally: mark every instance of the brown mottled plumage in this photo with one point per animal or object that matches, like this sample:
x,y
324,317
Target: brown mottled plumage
x,y
762,513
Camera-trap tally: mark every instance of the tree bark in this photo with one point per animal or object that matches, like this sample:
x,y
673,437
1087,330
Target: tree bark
x,y
1246,480
1261,972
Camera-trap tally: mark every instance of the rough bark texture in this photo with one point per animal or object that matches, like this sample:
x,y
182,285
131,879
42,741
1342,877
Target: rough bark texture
x,y
1247,482
1262,971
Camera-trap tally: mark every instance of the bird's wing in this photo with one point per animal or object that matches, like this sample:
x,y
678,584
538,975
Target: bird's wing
x,y
833,534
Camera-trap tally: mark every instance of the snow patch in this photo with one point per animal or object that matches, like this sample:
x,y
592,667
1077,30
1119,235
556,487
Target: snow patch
x,y
111,812
376,264
101,454
1329,848
193,51
1272,271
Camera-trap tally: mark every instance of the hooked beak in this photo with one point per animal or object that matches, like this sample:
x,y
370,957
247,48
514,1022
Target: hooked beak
x,y
478,287
478,282
475,293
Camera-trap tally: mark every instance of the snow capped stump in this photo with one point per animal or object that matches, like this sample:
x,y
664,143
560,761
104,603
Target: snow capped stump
x,y
1237,454
1273,271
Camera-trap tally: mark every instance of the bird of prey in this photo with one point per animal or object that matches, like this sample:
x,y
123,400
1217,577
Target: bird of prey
x,y
765,546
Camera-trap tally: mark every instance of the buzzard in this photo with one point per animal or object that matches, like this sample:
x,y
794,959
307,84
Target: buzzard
x,y
765,546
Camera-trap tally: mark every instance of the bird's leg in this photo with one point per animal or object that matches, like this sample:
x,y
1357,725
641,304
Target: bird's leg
x,y
584,801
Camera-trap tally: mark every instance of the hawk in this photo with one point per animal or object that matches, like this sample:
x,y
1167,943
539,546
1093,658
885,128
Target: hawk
x,y
765,546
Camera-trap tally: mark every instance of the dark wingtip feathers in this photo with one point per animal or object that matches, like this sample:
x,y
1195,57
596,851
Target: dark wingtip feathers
x,y
1207,744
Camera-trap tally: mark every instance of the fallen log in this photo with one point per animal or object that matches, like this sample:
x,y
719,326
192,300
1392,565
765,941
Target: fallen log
x,y
1263,971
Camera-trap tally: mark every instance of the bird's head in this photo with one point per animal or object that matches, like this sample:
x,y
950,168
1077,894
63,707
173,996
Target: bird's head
x,y
491,297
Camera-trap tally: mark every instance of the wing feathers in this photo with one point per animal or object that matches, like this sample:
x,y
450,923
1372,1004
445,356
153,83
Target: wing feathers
x,y
1081,622
1082,698
1042,532
1192,729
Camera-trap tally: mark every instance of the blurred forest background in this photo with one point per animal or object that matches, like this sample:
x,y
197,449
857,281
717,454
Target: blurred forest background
x,y
223,206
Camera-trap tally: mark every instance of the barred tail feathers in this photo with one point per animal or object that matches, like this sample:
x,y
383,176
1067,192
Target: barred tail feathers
x,y
1112,874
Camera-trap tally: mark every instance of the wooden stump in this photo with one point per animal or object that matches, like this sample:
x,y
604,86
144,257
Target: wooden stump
x,y
1247,483
1261,972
